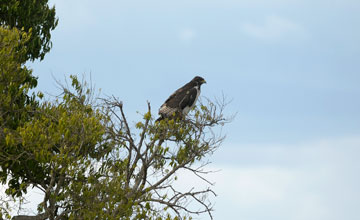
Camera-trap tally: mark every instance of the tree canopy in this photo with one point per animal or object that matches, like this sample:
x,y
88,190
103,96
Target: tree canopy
x,y
29,15
97,165
24,35
16,107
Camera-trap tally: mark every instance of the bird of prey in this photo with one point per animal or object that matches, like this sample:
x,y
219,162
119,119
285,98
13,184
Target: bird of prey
x,y
182,100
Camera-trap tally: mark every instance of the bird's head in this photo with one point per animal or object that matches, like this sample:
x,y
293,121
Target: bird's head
x,y
199,80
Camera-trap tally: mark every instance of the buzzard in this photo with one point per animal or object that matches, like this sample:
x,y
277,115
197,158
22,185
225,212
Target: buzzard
x,y
182,100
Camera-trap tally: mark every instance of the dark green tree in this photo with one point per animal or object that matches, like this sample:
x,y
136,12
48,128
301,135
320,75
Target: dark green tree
x,y
16,108
24,35
34,15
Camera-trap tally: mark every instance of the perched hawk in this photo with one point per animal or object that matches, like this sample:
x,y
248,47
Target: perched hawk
x,y
182,100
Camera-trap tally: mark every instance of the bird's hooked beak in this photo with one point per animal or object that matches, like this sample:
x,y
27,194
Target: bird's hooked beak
x,y
203,81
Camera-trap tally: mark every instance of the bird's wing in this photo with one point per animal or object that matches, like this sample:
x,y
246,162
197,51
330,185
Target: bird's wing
x,y
189,98
174,96
172,104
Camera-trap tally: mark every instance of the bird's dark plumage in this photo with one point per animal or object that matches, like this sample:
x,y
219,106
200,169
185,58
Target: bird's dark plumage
x,y
182,100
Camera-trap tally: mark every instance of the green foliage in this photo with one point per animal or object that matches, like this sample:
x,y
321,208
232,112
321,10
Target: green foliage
x,y
62,132
65,138
16,107
16,80
29,15
56,148
24,34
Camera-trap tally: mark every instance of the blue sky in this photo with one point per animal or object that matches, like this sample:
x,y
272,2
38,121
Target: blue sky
x,y
291,68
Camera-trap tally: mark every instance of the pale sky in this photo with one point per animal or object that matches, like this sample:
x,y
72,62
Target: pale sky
x,y
291,67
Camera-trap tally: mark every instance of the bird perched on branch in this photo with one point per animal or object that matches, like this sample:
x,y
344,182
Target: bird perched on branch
x,y
182,100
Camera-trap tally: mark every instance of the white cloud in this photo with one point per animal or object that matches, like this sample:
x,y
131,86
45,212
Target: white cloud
x,y
312,181
274,28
